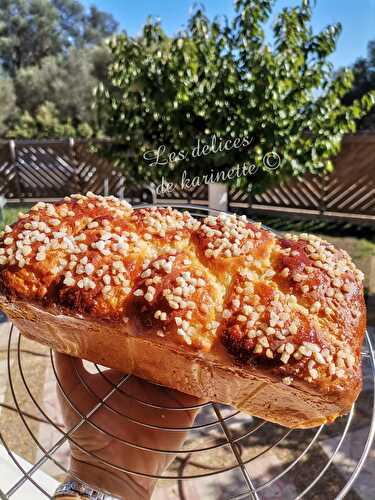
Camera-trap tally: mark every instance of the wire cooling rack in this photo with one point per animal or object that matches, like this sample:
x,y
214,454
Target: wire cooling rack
x,y
226,454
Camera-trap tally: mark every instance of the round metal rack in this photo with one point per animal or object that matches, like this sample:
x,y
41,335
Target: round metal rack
x,y
225,454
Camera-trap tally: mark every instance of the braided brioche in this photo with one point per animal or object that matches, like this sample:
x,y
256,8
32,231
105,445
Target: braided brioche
x,y
219,308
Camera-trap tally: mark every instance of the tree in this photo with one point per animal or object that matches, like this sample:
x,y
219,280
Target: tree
x,y
7,102
98,25
364,82
31,30
44,124
66,82
225,80
52,56
28,32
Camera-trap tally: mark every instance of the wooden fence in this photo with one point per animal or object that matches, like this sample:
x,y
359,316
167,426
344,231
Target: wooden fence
x,y
31,170
51,169
346,194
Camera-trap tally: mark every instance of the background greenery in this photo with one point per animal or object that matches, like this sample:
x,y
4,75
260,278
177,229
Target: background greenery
x,y
52,55
364,81
226,79
221,78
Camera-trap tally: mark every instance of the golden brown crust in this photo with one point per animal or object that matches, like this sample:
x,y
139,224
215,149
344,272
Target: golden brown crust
x,y
213,375
224,290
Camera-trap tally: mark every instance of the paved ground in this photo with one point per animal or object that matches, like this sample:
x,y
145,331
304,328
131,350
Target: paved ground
x,y
263,464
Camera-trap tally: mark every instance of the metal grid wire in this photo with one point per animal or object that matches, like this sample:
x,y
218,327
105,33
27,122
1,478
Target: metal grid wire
x,y
224,418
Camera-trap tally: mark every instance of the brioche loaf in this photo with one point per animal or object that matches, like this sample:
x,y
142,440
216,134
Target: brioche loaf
x,y
218,308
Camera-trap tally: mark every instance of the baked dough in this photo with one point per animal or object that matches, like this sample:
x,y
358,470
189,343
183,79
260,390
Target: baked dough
x,y
219,308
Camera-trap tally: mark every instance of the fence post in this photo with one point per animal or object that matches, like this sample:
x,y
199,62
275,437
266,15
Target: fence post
x,y
13,162
72,156
324,188
218,196
121,191
250,199
106,186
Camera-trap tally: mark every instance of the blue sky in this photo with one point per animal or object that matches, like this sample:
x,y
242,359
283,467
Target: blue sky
x,y
356,16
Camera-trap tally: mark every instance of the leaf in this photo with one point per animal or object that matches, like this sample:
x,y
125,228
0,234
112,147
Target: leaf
x,y
224,80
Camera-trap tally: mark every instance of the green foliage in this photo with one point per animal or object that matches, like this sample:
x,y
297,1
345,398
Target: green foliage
x,y
64,85
98,25
28,32
226,80
46,124
67,82
7,102
363,83
52,57
33,29
364,248
11,214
